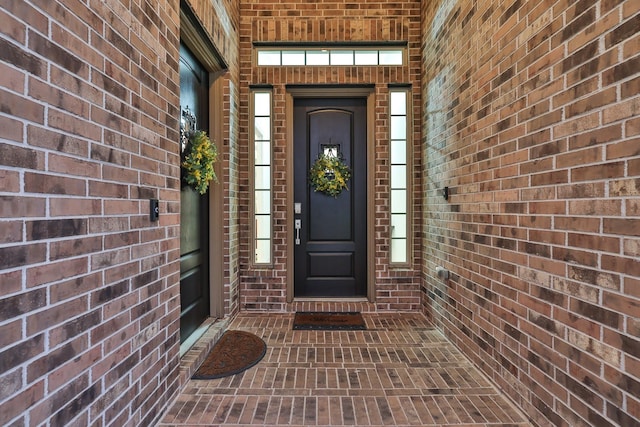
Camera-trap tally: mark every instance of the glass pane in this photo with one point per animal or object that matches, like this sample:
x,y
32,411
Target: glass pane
x,y
318,57
262,104
398,201
263,178
262,128
399,225
263,202
398,127
269,57
366,57
399,152
398,176
391,57
293,57
263,226
399,103
263,251
263,152
342,57
398,250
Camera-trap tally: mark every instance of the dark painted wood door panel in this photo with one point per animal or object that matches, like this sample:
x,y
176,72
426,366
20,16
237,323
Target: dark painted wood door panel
x,y
330,260
194,209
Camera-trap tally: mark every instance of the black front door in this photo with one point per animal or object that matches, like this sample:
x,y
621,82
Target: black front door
x,y
331,253
194,208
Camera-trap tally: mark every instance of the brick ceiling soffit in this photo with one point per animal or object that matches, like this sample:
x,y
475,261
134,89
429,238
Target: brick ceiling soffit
x,y
194,36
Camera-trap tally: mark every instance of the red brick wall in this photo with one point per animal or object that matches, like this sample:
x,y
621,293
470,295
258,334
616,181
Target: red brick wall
x,y
89,304
531,118
338,21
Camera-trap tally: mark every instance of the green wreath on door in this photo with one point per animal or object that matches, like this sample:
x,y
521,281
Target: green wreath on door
x,y
329,175
199,156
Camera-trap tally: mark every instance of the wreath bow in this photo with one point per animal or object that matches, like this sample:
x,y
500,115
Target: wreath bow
x,y
329,175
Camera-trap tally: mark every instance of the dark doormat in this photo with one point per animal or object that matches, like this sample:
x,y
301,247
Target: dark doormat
x,y
317,320
234,352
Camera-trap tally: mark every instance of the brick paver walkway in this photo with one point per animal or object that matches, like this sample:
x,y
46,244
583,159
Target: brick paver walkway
x,y
400,371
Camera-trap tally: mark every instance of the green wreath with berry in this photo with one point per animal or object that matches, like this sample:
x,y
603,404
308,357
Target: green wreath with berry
x,y
329,175
200,154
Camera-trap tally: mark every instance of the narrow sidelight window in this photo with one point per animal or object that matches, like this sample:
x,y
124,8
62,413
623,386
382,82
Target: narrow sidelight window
x,y
262,173
399,197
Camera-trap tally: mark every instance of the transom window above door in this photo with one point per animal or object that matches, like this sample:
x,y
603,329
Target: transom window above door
x,y
330,55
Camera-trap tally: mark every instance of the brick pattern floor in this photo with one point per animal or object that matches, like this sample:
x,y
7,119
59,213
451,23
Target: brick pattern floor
x,y
400,371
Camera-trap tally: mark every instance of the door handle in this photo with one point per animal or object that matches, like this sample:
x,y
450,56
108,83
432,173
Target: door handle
x,y
298,226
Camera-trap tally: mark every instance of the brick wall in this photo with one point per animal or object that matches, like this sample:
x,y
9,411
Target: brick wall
x,y
338,21
89,304
531,118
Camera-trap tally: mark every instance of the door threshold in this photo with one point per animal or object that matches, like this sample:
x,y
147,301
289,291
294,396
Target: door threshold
x,y
196,335
331,299
324,304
